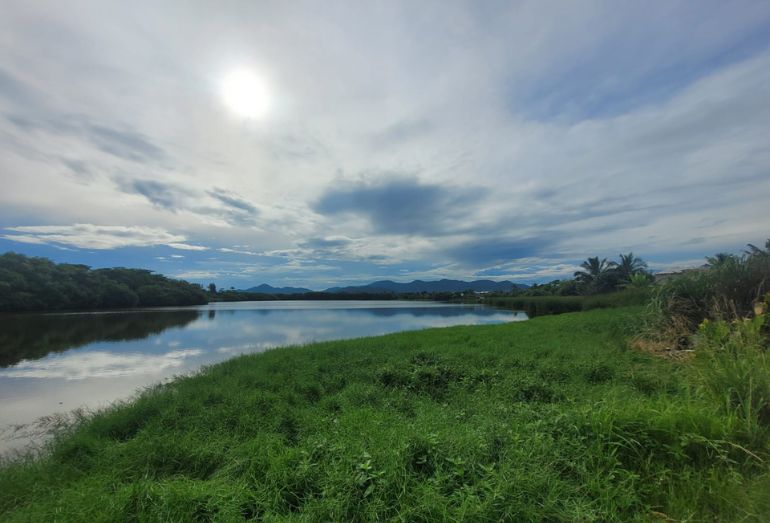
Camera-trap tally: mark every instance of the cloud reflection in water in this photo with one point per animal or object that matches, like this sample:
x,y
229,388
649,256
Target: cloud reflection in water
x,y
99,364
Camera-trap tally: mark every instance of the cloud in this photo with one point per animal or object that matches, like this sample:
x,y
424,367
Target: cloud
x,y
403,205
490,251
329,242
231,200
174,197
123,143
187,247
13,89
401,132
89,236
161,194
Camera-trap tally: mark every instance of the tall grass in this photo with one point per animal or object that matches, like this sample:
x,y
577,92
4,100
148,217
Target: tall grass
x,y
733,368
543,305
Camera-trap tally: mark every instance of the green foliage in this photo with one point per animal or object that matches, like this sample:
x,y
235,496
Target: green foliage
x,y
629,267
597,275
545,420
28,283
733,368
638,282
542,305
725,290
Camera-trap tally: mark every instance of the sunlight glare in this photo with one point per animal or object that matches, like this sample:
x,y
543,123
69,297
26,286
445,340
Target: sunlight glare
x,y
245,94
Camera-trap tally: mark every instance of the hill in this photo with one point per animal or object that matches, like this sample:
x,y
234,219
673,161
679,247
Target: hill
x,y
269,289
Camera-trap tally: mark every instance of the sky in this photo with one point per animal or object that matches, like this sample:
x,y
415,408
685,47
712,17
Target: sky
x,y
390,140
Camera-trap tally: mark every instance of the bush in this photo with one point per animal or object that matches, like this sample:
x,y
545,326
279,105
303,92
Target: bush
x,y
727,291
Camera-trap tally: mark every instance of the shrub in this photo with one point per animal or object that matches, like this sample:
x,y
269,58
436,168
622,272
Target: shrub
x,y
726,290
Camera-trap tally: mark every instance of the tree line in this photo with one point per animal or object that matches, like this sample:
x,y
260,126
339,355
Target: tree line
x,y
598,276
31,283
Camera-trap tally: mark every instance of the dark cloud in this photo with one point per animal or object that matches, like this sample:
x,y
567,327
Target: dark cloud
x,y
495,250
231,216
404,205
123,143
234,210
233,201
160,194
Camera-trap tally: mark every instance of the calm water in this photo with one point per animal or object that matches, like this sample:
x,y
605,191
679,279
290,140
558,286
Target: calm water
x,y
54,363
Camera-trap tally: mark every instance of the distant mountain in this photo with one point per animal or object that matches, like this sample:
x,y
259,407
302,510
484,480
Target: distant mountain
x,y
430,286
268,289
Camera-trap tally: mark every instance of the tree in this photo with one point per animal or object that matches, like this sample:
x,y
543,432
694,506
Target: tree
x,y
593,268
640,280
753,250
29,283
597,275
212,288
719,258
630,266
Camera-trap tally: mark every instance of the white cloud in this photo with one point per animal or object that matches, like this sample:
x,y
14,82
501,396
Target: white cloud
x,y
90,236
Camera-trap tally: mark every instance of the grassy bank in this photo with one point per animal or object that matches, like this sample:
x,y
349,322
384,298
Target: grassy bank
x,y
542,305
552,419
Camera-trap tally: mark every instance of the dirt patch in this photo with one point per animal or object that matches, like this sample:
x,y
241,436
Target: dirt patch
x,y
662,349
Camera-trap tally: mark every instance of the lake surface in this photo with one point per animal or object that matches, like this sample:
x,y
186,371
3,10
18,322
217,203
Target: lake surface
x,y
51,364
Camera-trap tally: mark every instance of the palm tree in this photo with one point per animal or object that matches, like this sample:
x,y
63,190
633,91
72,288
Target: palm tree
x,y
594,269
718,259
641,280
757,251
630,266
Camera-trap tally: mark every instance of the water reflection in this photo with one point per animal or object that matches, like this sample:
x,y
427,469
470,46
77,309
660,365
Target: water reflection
x,y
53,363
32,336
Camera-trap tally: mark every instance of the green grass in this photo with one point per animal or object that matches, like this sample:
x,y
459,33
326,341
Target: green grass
x,y
542,305
553,419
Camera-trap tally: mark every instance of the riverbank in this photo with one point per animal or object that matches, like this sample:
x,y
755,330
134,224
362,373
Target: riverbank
x,y
542,305
555,418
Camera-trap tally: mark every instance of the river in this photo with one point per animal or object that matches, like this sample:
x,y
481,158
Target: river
x,y
54,363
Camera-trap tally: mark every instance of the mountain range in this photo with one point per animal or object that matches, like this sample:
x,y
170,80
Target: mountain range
x,y
416,286
269,289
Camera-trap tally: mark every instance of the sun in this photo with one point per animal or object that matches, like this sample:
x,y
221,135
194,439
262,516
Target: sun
x,y
245,94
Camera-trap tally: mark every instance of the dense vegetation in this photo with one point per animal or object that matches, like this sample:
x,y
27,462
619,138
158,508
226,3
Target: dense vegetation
x,y
28,283
553,419
726,289
543,304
